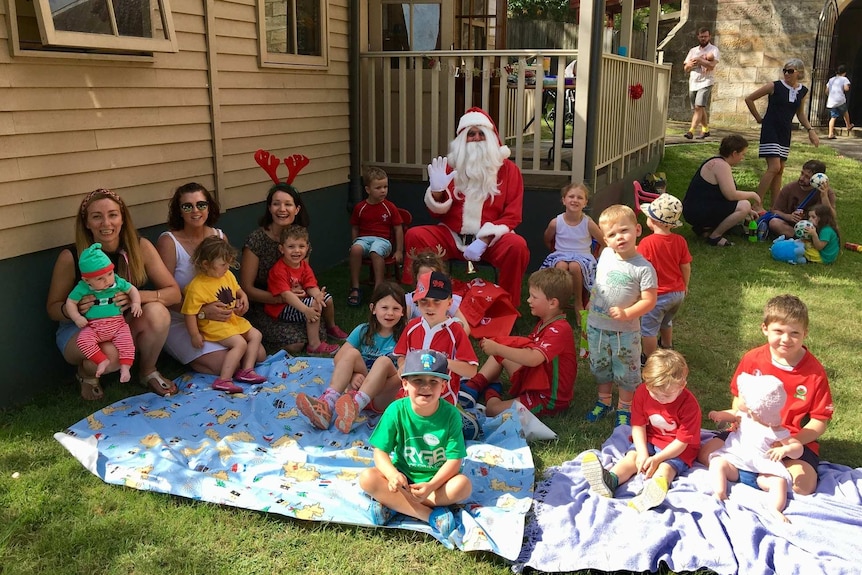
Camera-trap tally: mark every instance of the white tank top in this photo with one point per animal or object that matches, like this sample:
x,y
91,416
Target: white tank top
x,y
573,239
185,270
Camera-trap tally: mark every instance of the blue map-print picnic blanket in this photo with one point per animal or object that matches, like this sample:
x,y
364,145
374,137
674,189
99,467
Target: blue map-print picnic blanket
x,y
255,451
576,529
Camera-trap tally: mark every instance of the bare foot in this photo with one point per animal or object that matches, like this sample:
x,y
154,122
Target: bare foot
x,y
780,516
721,495
102,366
90,388
125,373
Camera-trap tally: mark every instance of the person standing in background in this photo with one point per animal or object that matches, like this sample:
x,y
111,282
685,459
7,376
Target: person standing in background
x,y
837,87
700,65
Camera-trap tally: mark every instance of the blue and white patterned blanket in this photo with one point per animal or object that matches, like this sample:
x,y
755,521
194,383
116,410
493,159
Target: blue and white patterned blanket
x,y
256,452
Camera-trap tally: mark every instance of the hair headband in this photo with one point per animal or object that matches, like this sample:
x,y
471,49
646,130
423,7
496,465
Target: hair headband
x,y
270,163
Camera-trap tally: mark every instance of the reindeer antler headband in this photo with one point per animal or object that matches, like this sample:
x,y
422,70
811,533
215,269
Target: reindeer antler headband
x,y
270,163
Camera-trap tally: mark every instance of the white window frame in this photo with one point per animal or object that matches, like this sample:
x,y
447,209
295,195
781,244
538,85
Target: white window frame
x,y
278,60
61,38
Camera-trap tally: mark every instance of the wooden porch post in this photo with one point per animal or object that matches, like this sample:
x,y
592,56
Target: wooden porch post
x,y
626,23
652,30
589,55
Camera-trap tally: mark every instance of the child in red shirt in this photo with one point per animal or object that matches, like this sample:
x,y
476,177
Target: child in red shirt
x,y
371,226
668,253
542,366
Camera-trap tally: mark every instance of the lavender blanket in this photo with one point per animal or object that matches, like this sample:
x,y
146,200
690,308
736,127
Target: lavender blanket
x,y
574,529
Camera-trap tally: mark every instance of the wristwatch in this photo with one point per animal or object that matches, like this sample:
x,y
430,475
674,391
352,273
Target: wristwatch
x,y
202,315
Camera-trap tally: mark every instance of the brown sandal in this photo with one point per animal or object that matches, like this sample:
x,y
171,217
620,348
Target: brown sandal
x,y
91,390
157,383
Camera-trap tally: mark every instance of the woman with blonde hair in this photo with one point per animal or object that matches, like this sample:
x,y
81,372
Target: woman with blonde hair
x,y
104,218
786,99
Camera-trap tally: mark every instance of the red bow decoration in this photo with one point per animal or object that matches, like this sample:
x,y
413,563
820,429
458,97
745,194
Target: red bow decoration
x,y
270,163
636,91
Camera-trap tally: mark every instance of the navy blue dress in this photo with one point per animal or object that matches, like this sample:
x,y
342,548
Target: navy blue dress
x,y
777,122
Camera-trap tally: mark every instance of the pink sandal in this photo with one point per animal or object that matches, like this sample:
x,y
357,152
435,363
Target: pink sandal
x,y
322,349
248,376
226,385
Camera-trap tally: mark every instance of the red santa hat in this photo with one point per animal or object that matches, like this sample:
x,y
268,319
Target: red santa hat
x,y
478,117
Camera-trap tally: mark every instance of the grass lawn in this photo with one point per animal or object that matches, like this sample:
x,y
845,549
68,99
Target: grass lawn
x,y
58,518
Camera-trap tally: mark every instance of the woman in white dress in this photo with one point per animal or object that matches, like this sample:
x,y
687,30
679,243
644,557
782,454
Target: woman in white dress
x,y
192,213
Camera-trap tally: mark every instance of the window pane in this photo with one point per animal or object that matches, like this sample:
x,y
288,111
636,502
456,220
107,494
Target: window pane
x,y
276,26
93,17
411,27
308,27
90,16
133,18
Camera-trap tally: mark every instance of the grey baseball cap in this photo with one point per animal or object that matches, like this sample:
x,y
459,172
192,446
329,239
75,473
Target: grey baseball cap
x,y
426,362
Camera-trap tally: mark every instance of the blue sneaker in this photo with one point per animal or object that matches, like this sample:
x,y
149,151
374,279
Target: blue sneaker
x,y
599,411
467,397
443,521
623,417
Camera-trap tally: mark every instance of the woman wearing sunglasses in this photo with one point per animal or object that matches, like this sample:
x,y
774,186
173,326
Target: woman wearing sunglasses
x,y
786,98
192,215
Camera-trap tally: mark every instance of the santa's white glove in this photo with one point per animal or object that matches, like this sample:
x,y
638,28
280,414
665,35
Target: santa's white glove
x,y
438,179
474,251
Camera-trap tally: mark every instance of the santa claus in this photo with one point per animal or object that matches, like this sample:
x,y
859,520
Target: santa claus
x,y
477,194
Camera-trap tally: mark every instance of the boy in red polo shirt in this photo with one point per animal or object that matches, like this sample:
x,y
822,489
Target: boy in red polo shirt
x,y
542,366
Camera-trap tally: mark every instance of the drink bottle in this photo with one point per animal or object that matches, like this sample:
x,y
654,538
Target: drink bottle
x,y
752,231
853,247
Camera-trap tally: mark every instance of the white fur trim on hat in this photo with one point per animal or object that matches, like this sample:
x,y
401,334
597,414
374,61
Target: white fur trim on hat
x,y
435,206
475,117
494,231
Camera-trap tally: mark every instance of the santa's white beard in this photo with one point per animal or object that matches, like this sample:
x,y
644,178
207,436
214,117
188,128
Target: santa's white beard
x,y
477,164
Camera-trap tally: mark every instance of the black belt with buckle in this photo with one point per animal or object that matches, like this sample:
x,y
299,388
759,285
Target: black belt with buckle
x,y
468,239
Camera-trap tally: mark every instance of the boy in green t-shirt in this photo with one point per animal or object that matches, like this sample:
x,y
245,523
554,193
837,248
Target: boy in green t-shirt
x,y
422,432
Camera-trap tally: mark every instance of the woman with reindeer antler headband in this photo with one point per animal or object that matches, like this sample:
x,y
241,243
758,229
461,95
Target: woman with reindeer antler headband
x,y
261,251
104,218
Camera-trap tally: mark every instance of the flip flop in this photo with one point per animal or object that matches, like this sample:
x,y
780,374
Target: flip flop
x,y
91,386
157,383
354,297
720,242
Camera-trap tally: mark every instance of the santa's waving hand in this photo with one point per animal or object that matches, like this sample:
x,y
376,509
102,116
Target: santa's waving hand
x,y
477,194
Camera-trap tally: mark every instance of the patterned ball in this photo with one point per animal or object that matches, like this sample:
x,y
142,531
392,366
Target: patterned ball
x,y
803,229
818,180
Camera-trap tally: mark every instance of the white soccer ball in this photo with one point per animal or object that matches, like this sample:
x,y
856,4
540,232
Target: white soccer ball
x,y
818,180
804,229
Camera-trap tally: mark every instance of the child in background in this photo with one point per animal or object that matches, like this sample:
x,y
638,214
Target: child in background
x,y
625,289
418,448
367,344
542,367
826,243
434,330
371,226
214,281
669,255
753,451
665,434
430,261
293,271
104,320
569,236
809,404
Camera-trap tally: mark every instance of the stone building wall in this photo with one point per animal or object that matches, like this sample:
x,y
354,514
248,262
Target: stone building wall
x,y
755,38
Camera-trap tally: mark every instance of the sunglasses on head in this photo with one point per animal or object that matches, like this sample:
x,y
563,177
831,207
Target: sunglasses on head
x,y
788,70
201,206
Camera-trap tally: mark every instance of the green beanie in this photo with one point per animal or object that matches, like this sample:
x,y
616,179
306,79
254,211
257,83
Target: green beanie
x,y
93,262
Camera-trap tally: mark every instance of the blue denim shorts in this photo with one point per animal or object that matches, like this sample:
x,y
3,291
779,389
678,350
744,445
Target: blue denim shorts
x,y
615,357
65,331
661,316
373,244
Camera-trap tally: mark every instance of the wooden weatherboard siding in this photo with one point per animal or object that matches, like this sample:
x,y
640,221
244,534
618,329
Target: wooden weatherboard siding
x,y
143,127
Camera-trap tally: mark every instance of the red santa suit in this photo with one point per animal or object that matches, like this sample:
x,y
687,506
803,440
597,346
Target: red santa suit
x,y
492,220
